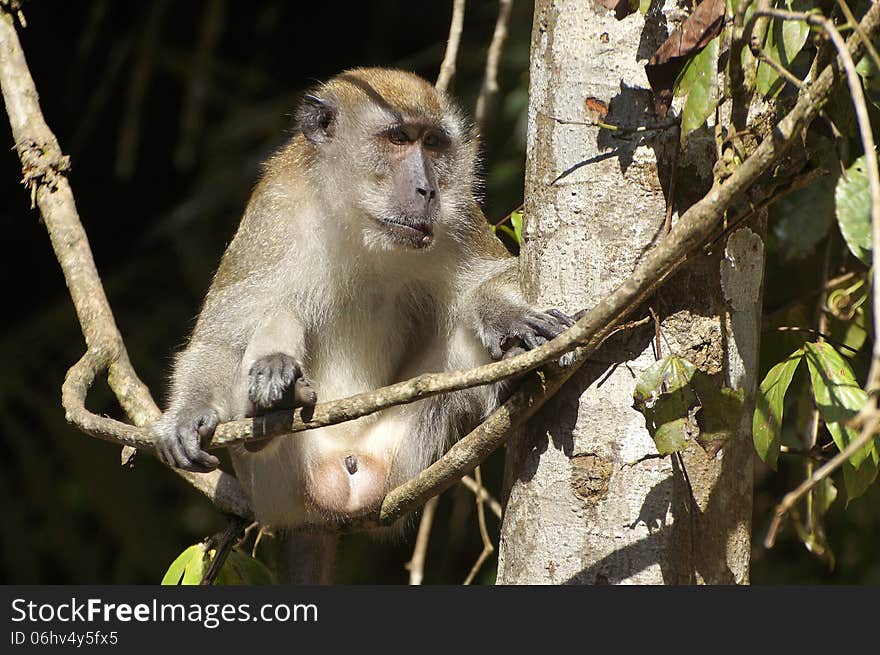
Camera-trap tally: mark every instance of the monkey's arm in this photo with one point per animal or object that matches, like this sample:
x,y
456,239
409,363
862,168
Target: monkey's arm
x,y
505,322
204,375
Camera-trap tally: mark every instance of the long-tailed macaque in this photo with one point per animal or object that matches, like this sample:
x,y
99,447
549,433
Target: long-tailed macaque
x,y
362,259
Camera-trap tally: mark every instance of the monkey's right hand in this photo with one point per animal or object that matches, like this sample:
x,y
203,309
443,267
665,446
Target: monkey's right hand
x,y
179,439
276,382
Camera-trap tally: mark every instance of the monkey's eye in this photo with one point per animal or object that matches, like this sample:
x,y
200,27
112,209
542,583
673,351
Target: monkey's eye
x,y
398,136
434,140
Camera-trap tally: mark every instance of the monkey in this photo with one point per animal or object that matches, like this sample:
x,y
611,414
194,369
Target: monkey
x,y
362,259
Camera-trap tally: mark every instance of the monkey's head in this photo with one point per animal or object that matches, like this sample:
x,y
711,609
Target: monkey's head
x,y
391,153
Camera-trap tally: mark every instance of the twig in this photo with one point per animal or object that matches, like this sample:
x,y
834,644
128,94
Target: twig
x,y
758,52
471,484
658,352
797,183
44,167
620,130
493,57
851,19
818,333
416,565
738,88
673,176
222,546
834,282
488,548
864,122
447,68
192,116
130,132
868,432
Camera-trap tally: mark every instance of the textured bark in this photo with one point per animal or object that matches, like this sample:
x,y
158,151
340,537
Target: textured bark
x,y
587,502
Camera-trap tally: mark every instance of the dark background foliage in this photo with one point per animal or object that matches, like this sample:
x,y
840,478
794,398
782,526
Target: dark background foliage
x,y
159,201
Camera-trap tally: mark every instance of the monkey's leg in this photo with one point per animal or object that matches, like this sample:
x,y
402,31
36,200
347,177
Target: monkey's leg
x,y
307,558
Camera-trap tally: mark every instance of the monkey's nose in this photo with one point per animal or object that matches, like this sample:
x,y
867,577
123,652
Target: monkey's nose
x,y
351,464
429,194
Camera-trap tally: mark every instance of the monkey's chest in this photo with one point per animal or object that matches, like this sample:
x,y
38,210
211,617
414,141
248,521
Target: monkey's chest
x,y
362,348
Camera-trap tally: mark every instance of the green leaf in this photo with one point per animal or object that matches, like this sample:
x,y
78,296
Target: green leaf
x,y
853,205
783,40
188,568
516,220
812,532
700,78
802,218
857,479
720,412
769,403
664,396
242,569
506,230
838,396
869,72
644,6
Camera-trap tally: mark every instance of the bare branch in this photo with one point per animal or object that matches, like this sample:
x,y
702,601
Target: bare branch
x,y
868,432
44,168
130,132
192,116
488,548
447,68
493,57
471,484
416,565
222,544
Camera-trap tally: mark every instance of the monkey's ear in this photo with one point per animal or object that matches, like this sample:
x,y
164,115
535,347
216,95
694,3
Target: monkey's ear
x,y
316,118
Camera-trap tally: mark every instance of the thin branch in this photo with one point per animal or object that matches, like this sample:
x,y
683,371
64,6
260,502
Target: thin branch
x,y
488,548
44,169
868,432
673,177
781,70
222,546
851,19
818,333
471,484
493,57
416,565
130,132
192,116
861,110
447,68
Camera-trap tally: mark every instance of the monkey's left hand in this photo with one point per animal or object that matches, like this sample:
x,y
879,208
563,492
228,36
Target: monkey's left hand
x,y
508,335
276,382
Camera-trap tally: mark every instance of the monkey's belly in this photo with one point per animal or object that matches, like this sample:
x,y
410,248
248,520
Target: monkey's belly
x,y
324,475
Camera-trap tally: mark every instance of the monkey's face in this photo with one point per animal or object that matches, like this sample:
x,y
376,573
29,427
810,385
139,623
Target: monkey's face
x,y
405,199
397,151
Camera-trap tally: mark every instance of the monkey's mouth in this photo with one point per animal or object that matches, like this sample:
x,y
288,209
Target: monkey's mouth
x,y
417,234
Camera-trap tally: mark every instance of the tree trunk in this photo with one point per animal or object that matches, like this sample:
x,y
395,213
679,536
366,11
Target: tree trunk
x,y
589,501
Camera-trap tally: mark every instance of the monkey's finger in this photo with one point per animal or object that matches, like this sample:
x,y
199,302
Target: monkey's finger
x,y
543,327
495,351
303,394
560,316
530,339
176,455
513,351
567,359
198,457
